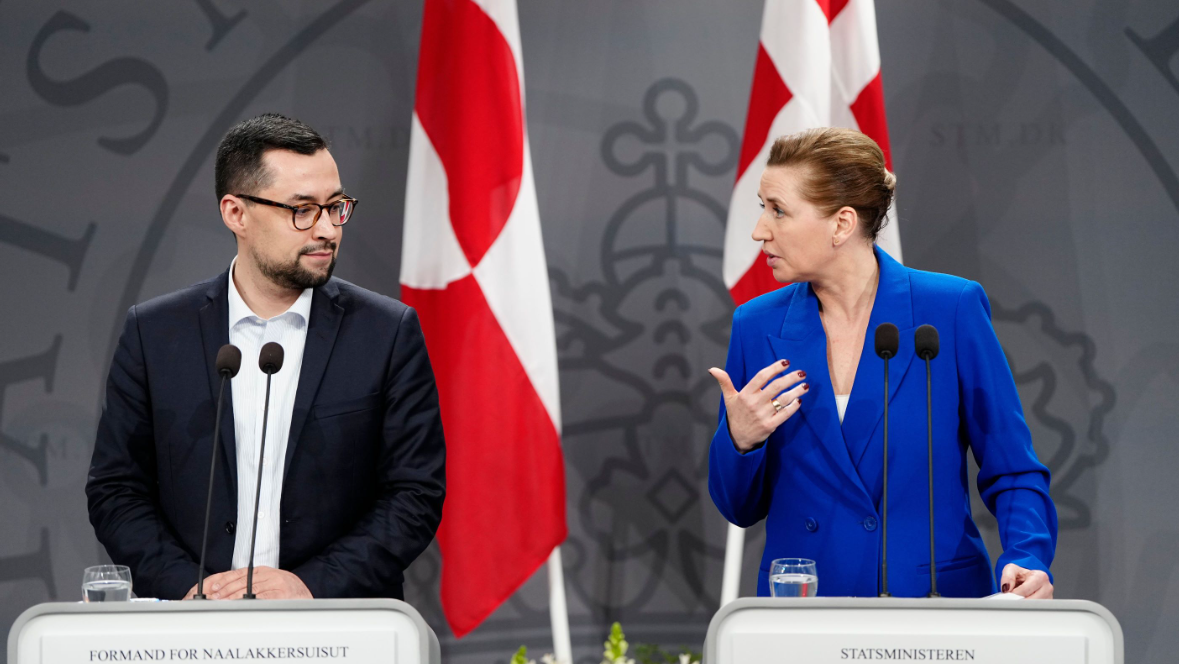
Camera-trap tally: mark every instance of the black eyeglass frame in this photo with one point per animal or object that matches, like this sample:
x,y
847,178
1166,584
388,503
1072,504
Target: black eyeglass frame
x,y
295,209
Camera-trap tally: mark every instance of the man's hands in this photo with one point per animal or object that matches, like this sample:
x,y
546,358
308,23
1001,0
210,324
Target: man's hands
x,y
1028,583
269,583
752,413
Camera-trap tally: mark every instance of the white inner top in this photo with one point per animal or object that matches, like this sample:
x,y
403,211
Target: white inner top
x,y
249,332
842,405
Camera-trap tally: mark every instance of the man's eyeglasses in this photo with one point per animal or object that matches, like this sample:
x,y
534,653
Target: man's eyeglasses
x,y
305,216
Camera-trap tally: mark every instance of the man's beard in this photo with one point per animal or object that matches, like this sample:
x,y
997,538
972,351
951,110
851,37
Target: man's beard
x,y
293,275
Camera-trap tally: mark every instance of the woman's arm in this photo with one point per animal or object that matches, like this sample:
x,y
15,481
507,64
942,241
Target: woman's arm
x,y
1012,482
747,417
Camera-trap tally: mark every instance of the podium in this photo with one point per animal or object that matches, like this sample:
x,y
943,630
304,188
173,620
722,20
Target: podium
x,y
351,631
819,630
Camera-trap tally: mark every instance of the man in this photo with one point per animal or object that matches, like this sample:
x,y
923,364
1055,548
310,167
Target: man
x,y
353,470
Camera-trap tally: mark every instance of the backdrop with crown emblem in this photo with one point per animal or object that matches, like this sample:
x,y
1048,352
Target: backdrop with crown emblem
x,y
1035,146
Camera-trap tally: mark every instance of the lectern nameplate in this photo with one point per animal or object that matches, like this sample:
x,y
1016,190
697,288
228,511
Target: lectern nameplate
x,y
338,631
831,630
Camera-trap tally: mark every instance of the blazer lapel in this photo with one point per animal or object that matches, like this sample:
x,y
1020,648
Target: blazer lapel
x,y
214,321
326,314
866,406
803,342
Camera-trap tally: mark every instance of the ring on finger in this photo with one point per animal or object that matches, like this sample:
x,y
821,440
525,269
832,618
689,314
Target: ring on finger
x,y
777,406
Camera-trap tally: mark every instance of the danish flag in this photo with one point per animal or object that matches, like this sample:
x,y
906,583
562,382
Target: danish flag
x,y
818,65
473,267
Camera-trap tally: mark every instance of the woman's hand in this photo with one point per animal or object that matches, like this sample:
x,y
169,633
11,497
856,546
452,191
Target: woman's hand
x,y
758,409
1028,583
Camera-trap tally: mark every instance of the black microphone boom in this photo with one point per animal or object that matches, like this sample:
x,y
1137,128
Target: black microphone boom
x,y
270,360
926,346
886,341
229,360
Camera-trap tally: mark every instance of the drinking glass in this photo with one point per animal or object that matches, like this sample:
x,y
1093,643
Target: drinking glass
x,y
793,577
106,583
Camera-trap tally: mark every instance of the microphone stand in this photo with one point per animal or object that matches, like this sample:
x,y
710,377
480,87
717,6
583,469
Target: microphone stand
x,y
885,493
209,499
257,495
930,475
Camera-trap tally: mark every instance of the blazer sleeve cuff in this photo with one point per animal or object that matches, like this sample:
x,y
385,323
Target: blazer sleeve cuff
x,y
1027,561
735,478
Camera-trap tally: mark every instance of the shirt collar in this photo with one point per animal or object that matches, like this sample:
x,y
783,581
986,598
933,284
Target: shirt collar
x,y
239,310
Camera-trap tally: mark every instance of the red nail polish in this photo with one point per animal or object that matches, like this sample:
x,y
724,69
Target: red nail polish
x,y
805,387
1004,588
786,363
802,375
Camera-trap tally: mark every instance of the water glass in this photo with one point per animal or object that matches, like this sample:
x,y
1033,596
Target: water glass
x,y
106,583
793,577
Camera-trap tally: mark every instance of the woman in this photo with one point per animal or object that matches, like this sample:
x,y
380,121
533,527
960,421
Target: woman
x,y
799,441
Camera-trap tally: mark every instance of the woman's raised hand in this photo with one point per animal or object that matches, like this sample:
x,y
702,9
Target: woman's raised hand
x,y
762,405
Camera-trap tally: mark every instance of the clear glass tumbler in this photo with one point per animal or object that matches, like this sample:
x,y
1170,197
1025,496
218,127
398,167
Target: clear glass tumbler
x,y
793,577
106,583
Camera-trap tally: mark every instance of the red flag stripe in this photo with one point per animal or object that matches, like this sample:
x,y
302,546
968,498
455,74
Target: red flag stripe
x,y
469,103
832,8
869,111
767,97
504,457
757,280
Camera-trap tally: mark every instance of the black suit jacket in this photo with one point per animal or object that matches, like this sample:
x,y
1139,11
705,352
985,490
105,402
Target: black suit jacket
x,y
364,478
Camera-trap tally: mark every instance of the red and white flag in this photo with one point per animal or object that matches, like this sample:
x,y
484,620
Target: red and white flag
x,y
473,266
818,65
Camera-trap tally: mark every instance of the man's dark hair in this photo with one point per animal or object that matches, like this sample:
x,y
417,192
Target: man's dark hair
x,y
239,168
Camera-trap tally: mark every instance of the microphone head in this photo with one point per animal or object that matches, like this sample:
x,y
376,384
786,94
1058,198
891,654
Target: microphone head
x,y
926,342
270,359
886,340
229,360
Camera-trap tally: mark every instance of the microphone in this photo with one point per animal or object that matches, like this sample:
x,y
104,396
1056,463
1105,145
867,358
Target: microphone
x,y
270,360
926,346
229,360
886,341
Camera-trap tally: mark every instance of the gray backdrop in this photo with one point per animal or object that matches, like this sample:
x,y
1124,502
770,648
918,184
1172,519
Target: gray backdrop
x,y
1036,148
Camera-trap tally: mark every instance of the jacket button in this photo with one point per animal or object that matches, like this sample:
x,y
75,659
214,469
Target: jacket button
x,y
811,525
870,523
229,527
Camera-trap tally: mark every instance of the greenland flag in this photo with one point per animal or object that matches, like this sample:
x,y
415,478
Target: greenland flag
x,y
473,267
818,66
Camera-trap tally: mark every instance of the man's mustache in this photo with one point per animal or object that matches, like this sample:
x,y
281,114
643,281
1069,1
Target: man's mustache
x,y
331,246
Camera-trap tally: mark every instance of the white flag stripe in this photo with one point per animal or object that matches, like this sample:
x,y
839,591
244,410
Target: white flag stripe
x,y
841,117
890,237
741,250
795,36
515,283
431,254
855,57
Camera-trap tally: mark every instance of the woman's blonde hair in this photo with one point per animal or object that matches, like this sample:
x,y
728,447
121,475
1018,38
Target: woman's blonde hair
x,y
842,167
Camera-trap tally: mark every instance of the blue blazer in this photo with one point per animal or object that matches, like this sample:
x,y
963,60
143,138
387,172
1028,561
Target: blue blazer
x,y
818,483
364,474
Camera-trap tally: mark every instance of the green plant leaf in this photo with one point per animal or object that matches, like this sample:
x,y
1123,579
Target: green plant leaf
x,y
615,646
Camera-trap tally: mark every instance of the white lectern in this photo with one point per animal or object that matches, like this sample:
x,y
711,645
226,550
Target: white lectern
x,y
348,631
820,630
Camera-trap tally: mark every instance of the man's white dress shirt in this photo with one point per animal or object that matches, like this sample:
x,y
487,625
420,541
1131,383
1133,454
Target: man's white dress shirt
x,y
249,333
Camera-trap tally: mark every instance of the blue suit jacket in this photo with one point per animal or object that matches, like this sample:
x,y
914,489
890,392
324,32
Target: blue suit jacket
x,y
818,484
364,474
